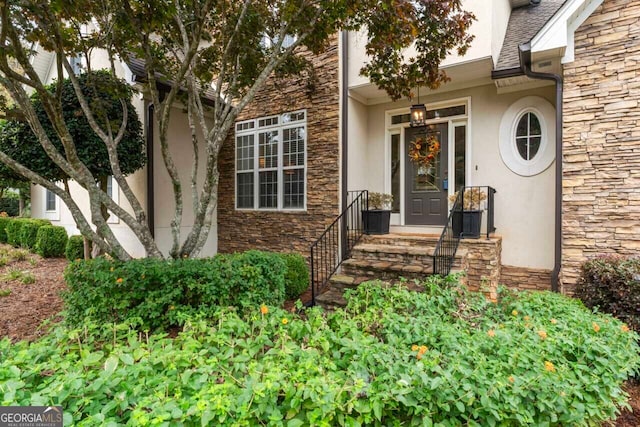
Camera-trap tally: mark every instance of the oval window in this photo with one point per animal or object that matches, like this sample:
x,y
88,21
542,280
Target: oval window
x,y
528,136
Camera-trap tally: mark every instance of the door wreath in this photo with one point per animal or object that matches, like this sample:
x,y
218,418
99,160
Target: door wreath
x,y
423,150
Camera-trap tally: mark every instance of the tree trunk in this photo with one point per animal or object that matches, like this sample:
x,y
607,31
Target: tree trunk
x,y
87,248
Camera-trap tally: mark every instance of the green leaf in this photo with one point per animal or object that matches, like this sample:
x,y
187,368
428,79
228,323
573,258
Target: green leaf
x,y
127,359
111,364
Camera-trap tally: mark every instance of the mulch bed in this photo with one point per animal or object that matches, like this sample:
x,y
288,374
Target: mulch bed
x,y
631,418
23,311
28,305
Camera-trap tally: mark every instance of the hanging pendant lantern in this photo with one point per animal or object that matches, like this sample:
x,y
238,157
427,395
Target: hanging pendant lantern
x,y
418,115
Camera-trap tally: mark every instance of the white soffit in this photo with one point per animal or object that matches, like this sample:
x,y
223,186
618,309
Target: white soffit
x,y
463,75
558,33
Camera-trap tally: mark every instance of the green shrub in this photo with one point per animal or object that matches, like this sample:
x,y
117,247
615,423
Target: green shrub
x,y
612,285
3,225
75,248
13,230
162,293
296,278
51,241
28,234
482,364
10,205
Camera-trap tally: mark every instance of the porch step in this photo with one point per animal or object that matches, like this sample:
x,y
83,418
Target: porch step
x,y
385,270
331,299
390,258
403,239
334,298
399,254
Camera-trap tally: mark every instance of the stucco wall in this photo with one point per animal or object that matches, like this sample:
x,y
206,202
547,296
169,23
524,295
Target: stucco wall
x,y
601,201
289,230
180,147
492,17
524,205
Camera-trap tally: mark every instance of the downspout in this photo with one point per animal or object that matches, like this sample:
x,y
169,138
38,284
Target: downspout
x,y
525,61
345,116
151,213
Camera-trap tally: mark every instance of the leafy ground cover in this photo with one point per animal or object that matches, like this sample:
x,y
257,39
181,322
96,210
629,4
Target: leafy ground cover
x,y
391,357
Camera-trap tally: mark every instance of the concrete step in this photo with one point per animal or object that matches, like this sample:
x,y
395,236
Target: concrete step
x,y
398,254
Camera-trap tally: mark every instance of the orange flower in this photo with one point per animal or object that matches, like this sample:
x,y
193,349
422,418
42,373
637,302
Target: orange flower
x,y
543,335
285,320
624,328
423,349
491,333
554,321
419,356
526,318
414,347
548,366
119,280
514,312
511,379
596,327
264,309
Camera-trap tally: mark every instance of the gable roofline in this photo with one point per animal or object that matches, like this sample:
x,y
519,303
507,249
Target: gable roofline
x,y
558,33
524,23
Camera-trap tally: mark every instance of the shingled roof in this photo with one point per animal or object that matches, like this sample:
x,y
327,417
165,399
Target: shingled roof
x,y
137,67
524,24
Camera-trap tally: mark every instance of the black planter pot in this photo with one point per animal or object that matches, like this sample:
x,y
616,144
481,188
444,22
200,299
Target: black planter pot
x,y
471,221
376,221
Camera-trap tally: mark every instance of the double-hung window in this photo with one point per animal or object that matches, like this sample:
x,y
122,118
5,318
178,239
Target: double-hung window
x,y
50,201
271,162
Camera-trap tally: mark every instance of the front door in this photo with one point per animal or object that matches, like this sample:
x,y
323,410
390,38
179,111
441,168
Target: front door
x,y
426,184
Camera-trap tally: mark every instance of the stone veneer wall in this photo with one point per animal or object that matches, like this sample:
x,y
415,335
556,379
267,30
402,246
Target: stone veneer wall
x,y
601,181
523,278
289,231
483,263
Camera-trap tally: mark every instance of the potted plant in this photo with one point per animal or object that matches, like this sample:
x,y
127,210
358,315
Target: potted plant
x,y
376,219
468,227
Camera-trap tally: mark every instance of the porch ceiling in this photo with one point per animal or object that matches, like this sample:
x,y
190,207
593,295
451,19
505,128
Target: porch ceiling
x,y
463,75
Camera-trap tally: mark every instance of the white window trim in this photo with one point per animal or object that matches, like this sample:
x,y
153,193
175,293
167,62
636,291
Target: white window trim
x,y
508,148
53,215
256,130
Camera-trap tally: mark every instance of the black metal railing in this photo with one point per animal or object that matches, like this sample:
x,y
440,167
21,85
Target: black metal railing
x,y
465,221
336,242
445,252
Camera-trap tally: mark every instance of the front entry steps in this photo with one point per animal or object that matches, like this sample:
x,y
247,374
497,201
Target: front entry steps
x,y
389,257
